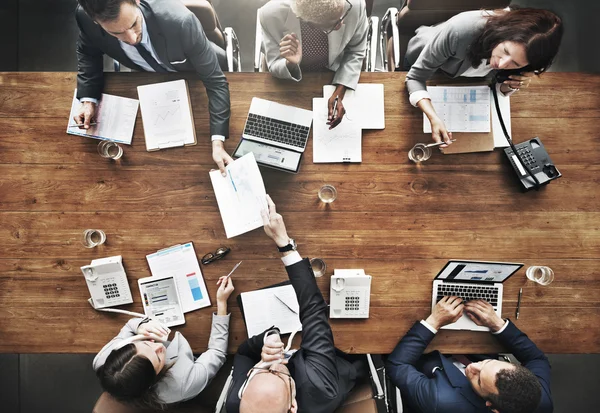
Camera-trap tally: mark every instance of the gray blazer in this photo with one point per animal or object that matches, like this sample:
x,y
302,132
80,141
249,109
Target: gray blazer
x,y
442,47
186,377
347,46
180,43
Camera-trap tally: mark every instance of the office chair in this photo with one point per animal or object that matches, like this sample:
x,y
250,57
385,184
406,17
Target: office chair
x,y
226,38
398,26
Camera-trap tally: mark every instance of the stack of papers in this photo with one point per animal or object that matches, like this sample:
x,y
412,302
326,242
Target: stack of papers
x,y
115,118
241,195
276,306
181,262
463,109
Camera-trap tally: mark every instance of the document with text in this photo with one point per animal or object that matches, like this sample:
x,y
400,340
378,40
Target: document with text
x,y
241,195
115,119
462,108
340,144
365,105
271,307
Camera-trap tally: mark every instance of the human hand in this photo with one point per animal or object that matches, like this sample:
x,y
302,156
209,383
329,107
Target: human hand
x,y
220,156
519,81
274,225
334,119
446,311
439,133
154,330
482,313
87,113
225,289
290,49
272,349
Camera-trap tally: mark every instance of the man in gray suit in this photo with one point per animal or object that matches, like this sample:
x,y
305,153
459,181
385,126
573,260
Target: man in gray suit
x,y
154,36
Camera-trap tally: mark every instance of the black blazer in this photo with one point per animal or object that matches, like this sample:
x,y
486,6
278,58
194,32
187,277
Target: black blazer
x,y
447,390
179,42
323,378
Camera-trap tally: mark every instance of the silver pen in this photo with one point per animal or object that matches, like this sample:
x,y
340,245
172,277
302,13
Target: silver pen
x,y
234,268
335,102
519,303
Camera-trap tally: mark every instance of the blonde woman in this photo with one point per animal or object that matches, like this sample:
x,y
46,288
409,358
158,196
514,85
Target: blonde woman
x,y
313,36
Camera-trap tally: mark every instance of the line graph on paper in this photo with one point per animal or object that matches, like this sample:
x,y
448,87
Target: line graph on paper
x,y
167,114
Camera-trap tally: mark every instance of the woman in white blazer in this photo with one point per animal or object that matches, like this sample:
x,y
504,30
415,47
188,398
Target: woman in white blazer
x,y
316,35
140,367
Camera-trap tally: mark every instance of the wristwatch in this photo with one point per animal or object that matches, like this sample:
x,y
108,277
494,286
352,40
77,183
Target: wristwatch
x,y
291,246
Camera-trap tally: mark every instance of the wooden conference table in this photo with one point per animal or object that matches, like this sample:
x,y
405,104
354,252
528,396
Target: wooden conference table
x,y
53,186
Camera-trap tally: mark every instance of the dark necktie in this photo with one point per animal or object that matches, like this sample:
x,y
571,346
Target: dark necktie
x,y
147,56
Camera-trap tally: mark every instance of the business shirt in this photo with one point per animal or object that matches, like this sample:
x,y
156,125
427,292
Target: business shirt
x,y
323,377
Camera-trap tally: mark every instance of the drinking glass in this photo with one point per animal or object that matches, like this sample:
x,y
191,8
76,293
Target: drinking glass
x,y
419,186
540,274
327,194
110,150
419,153
93,237
319,267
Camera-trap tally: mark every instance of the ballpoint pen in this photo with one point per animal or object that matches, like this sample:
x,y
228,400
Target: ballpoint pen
x,y
438,143
519,303
335,102
79,126
234,268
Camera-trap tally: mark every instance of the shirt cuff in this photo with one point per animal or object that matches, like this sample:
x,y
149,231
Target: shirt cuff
x,y
291,259
218,138
415,97
502,329
89,100
426,324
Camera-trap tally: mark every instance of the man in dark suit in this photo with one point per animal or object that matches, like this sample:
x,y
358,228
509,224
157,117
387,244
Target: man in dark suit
x,y
316,379
435,383
155,36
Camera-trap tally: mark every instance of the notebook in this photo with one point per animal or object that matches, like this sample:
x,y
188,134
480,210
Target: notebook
x,y
167,115
115,118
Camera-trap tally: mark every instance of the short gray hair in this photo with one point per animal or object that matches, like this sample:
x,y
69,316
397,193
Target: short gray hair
x,y
318,11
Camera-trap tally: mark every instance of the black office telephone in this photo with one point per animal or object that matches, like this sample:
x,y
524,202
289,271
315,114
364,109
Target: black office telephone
x,y
502,75
529,159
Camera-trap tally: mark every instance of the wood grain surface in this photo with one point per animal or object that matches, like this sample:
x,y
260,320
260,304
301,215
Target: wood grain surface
x,y
54,185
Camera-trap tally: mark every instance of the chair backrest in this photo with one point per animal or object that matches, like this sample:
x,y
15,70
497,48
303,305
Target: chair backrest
x,y
205,12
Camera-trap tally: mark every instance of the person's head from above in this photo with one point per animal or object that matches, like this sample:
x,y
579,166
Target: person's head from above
x,y
130,372
506,388
268,389
327,15
119,18
518,38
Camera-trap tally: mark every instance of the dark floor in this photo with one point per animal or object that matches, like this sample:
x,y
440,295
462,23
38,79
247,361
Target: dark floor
x,y
39,35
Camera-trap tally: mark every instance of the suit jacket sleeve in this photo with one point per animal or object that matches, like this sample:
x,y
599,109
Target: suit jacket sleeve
x,y
90,70
197,48
349,71
128,331
531,357
271,37
317,338
400,366
206,366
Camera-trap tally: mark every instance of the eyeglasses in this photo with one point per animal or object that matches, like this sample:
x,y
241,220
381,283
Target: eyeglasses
x,y
266,369
217,255
340,20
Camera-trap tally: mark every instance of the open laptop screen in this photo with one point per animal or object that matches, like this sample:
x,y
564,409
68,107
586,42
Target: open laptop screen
x,y
478,271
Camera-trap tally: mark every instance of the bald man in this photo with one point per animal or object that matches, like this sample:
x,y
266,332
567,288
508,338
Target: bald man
x,y
314,379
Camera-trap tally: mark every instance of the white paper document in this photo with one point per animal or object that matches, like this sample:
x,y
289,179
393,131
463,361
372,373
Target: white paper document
x,y
241,195
167,115
263,309
115,118
364,105
340,144
462,108
181,262
504,103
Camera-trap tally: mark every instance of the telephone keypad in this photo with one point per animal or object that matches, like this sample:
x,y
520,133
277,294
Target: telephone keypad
x,y
111,290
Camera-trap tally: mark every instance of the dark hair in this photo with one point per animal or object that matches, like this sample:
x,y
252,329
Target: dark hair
x,y
540,31
104,10
519,391
130,377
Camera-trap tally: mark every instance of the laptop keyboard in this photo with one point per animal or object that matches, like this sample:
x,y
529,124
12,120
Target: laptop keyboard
x,y
276,130
468,292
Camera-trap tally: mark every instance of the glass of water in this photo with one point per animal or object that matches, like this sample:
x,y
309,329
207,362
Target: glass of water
x,y
110,150
327,194
93,237
419,153
319,267
540,274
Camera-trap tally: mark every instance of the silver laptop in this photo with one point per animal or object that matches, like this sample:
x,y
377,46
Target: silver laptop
x,y
277,134
472,280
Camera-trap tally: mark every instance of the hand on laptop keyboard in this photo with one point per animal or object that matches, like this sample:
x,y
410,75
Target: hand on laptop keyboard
x,y
482,313
446,311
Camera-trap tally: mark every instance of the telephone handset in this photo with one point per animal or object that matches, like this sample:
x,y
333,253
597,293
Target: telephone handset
x,y
502,75
350,294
